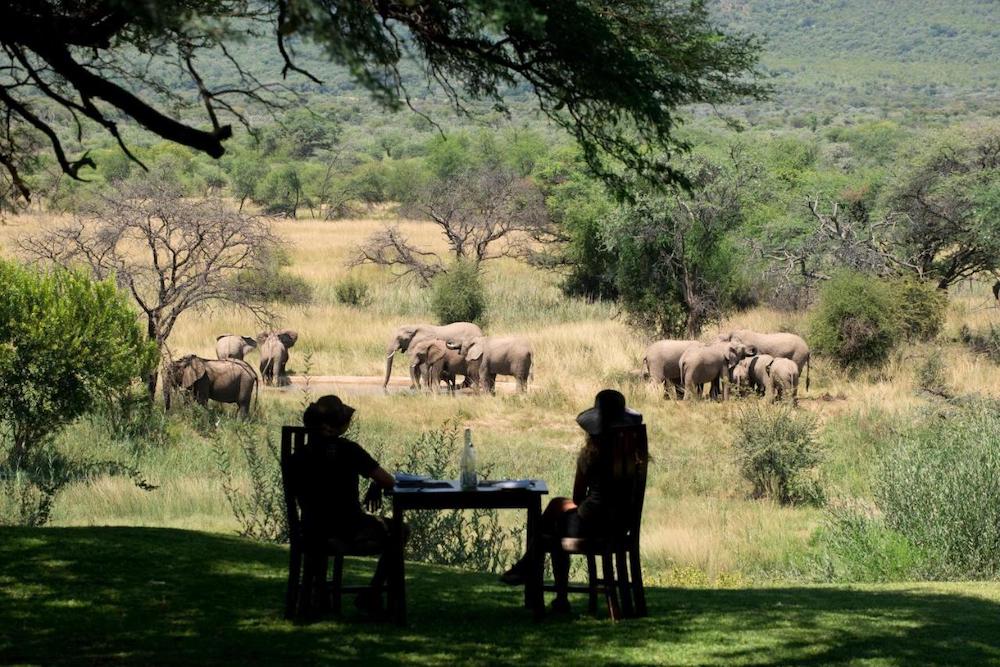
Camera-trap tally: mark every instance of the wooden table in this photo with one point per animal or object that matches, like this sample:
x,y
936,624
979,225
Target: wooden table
x,y
453,497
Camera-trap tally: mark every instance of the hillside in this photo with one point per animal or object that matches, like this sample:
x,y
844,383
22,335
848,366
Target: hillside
x,y
876,56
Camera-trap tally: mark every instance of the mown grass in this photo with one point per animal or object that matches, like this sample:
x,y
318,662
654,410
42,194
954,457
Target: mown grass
x,y
163,596
698,516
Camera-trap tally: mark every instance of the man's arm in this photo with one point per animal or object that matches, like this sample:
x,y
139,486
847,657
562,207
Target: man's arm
x,y
383,478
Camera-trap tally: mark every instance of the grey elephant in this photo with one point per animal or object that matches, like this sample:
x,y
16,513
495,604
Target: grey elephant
x,y
662,363
787,345
711,363
436,362
429,356
784,379
751,372
489,356
221,380
231,346
410,334
274,347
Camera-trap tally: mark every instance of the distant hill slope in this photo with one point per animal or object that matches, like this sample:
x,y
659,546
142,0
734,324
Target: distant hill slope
x,y
912,56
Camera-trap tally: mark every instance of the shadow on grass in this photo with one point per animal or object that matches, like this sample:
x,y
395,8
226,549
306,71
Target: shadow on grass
x,y
150,595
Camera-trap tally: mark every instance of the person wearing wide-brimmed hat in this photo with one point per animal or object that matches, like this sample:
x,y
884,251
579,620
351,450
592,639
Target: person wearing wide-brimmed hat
x,y
587,513
331,475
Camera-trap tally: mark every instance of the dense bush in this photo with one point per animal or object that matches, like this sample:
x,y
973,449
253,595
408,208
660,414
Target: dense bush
x,y
937,501
986,343
921,307
778,453
352,291
459,295
65,342
270,282
471,539
856,320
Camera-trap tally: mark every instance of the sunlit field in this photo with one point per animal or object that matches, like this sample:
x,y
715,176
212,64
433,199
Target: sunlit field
x,y
699,523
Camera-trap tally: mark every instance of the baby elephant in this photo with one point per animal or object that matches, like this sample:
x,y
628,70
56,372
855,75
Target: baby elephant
x,y
435,361
784,379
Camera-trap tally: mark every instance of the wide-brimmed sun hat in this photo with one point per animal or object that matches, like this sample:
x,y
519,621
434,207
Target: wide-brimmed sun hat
x,y
608,412
327,410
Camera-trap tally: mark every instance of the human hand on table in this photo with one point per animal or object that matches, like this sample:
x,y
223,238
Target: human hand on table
x,y
373,497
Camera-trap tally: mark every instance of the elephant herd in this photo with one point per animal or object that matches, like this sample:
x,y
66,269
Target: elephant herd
x,y
230,379
442,353
768,363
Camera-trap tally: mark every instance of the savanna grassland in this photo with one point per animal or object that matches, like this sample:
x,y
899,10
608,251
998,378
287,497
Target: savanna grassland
x,y
700,524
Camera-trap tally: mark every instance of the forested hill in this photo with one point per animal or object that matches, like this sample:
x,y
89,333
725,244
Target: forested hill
x,y
907,59
888,57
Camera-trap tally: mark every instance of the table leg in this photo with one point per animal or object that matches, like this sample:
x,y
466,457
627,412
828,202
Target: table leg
x,y
533,587
397,588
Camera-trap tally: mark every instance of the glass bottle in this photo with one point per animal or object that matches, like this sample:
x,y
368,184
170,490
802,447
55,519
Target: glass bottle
x,y
467,467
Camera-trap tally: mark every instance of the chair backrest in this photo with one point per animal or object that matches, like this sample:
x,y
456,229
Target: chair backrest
x,y
293,445
625,457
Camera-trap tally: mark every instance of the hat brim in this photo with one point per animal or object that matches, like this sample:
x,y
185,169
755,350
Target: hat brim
x,y
590,420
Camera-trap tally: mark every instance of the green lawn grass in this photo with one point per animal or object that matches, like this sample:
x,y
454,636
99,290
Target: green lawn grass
x,y
160,596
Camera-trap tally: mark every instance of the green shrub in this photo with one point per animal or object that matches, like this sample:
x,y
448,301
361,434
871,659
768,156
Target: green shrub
x,y
271,282
986,343
352,291
778,453
856,320
458,295
66,341
258,505
921,307
855,546
473,539
930,374
937,503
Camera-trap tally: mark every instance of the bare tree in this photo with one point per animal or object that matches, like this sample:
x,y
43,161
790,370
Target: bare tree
x,y
483,214
169,253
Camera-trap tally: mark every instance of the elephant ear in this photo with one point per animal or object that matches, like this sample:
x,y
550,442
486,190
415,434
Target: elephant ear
x,y
252,342
193,371
435,352
732,356
475,351
288,337
263,336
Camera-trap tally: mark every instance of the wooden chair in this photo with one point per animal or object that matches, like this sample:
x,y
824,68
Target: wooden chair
x,y
624,455
309,556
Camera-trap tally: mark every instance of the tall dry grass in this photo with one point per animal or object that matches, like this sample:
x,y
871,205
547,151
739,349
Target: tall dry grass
x,y
698,514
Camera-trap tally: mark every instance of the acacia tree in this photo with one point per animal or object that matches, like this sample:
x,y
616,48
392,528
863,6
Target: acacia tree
x,y
612,72
170,254
676,262
483,214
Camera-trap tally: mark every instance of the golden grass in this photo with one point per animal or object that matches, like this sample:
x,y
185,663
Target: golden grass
x,y
698,515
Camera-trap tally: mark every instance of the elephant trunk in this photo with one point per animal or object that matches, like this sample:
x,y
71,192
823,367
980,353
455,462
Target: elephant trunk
x,y
388,367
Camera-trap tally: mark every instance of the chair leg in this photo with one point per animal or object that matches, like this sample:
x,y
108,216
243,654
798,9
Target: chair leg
x,y
294,581
322,572
338,584
307,587
592,584
623,583
638,590
610,591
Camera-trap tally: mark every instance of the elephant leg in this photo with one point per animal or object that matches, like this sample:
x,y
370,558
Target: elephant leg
x,y
489,382
678,388
689,390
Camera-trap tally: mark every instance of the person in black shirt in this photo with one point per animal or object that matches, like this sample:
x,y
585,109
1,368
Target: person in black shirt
x,y
331,469
588,512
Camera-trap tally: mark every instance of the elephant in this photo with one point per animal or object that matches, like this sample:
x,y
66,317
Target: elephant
x,y
410,334
713,363
274,354
430,355
787,345
752,372
489,356
231,346
784,379
222,380
661,362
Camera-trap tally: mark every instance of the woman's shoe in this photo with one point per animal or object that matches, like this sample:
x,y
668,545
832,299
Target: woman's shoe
x,y
514,576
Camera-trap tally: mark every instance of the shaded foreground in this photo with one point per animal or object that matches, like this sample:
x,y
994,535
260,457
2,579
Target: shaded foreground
x,y
152,595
